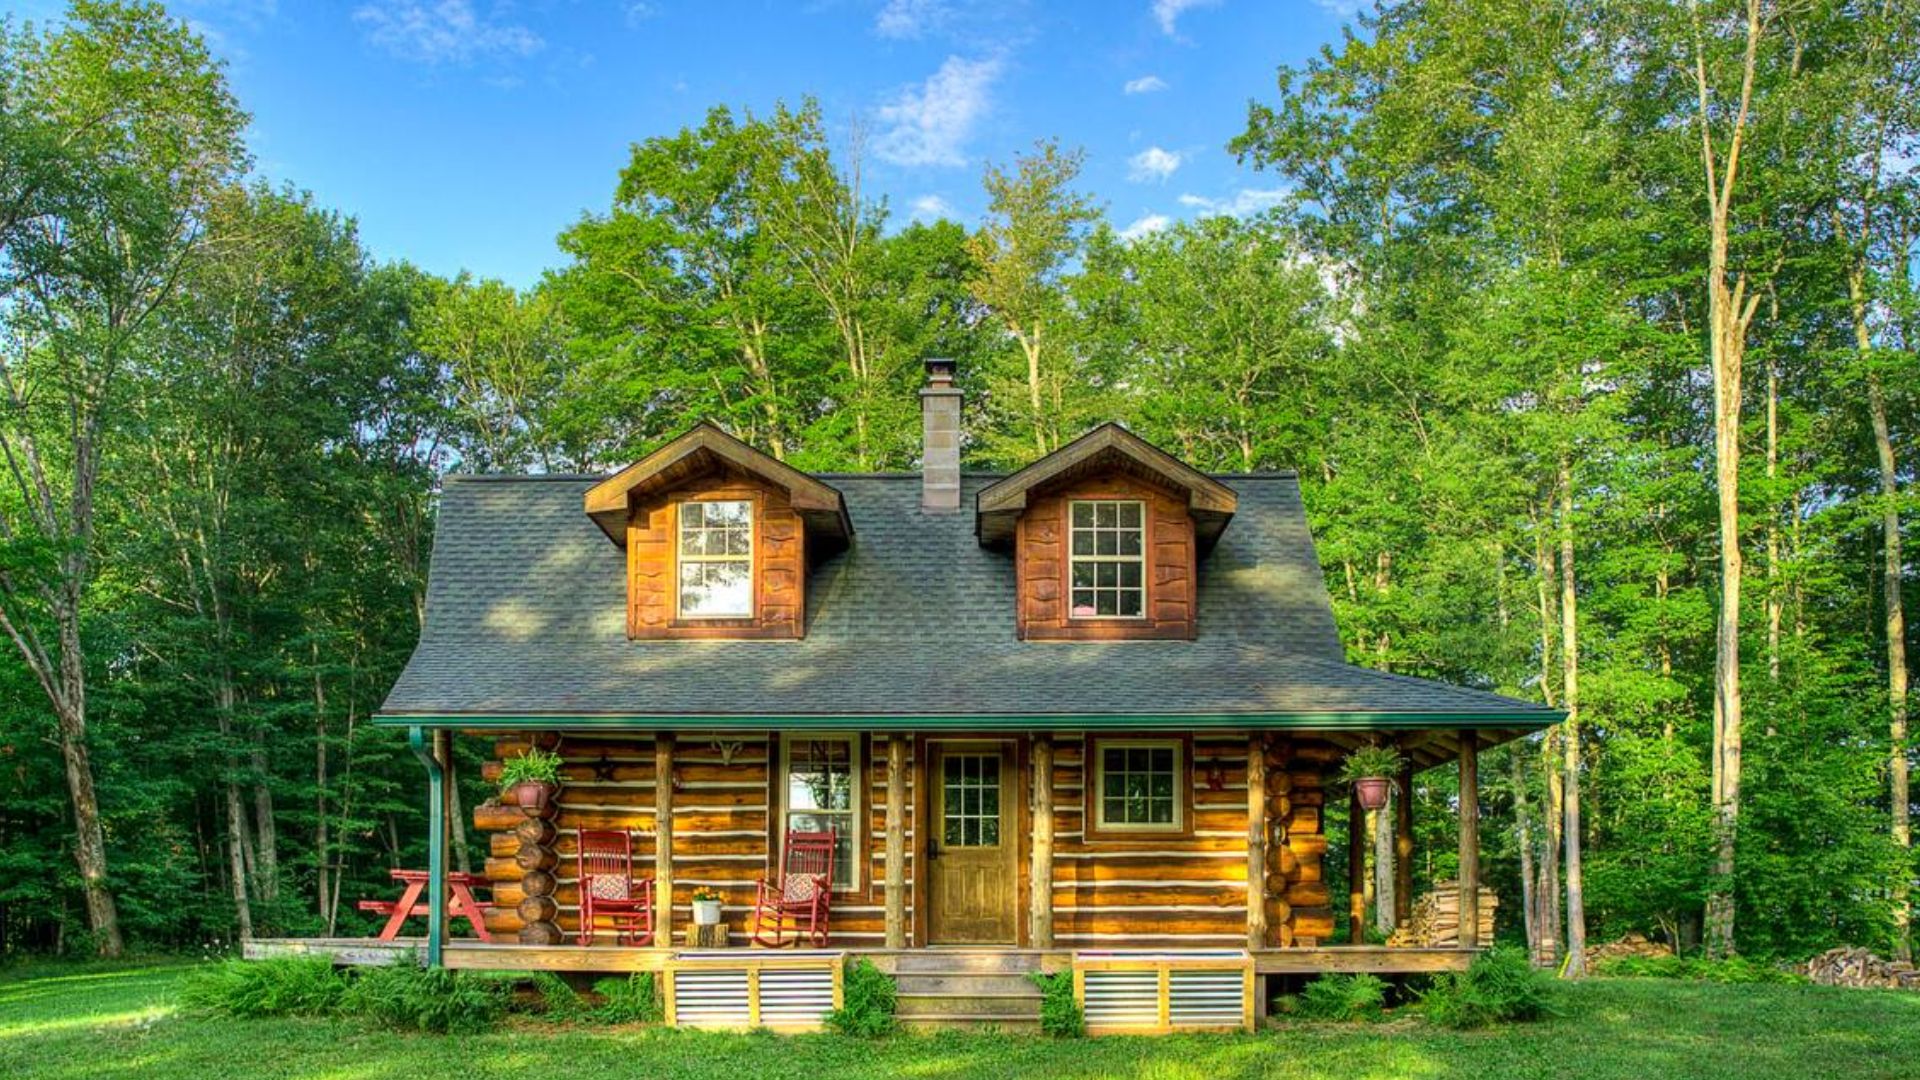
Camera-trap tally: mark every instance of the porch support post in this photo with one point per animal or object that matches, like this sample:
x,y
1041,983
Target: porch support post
x,y
1403,846
436,842
1040,877
663,836
1356,869
1256,842
1469,839
896,842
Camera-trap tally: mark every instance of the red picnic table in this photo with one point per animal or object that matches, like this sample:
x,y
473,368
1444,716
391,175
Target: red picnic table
x,y
461,902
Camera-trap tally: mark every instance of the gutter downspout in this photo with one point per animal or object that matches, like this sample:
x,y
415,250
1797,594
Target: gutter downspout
x,y
436,846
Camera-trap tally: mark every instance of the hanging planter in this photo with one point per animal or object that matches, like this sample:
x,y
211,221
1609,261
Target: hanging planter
x,y
1370,770
530,781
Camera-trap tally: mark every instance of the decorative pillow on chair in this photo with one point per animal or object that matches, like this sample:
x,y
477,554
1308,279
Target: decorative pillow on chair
x,y
799,888
607,887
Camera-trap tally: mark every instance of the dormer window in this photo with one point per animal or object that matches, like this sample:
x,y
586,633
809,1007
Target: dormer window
x,y
1108,559
716,559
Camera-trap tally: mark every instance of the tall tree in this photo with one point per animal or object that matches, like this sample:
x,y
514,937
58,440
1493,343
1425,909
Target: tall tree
x,y
1036,224
119,128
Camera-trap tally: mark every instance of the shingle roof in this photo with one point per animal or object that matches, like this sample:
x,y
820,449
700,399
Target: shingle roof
x,y
526,617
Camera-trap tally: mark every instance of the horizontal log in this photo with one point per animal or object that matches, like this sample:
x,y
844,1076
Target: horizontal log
x,y
1308,894
492,817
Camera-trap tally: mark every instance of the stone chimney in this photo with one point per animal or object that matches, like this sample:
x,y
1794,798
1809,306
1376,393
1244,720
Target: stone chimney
x,y
940,439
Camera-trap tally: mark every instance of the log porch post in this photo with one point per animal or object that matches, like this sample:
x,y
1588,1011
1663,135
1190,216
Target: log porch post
x,y
1040,879
1403,846
896,842
1469,839
1256,842
1356,868
663,836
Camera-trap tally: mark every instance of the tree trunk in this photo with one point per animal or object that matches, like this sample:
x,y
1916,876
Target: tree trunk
x,y
1384,896
1729,312
90,838
1899,795
236,849
1570,700
266,836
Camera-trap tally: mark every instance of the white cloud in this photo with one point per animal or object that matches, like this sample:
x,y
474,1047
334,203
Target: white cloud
x,y
1145,225
1153,165
1167,12
1145,84
931,208
930,124
449,31
1244,203
910,19
640,11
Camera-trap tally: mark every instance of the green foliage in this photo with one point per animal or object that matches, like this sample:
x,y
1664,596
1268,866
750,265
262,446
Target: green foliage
x,y
1370,761
535,766
1342,998
1736,969
632,1000
1060,1015
249,989
868,999
407,997
1500,987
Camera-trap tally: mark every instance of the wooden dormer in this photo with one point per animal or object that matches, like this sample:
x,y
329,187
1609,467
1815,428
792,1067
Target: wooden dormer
x,y
719,538
1107,533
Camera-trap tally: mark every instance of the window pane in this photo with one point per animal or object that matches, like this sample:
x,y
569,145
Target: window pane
x,y
1160,785
1115,811
1130,515
1131,603
1138,759
716,589
1129,574
1106,515
1161,812
1083,574
820,775
1112,783
1082,515
1129,543
990,832
953,832
1106,604
1083,602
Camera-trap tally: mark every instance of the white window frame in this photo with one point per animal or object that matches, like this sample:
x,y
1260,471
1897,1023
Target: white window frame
x,y
858,781
681,559
1182,781
1139,560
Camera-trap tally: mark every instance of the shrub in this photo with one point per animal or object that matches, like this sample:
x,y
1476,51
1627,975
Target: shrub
x,y
1060,1015
632,1000
559,1001
868,999
412,998
1499,987
1343,998
1736,969
287,986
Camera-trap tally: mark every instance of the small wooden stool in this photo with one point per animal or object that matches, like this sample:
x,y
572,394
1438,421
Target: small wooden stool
x,y
707,937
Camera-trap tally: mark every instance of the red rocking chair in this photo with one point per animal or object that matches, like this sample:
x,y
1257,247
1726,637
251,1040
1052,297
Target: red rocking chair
x,y
609,890
798,903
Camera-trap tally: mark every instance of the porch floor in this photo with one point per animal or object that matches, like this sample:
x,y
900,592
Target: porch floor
x,y
475,955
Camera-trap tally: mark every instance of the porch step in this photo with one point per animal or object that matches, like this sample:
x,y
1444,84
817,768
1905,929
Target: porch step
x,y
960,961
1021,1023
970,990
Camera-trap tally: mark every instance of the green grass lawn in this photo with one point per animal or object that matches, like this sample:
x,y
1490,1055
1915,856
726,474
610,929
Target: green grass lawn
x,y
87,1022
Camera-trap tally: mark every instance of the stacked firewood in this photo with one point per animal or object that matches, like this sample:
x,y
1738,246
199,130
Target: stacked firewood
x,y
1633,944
1435,919
1860,967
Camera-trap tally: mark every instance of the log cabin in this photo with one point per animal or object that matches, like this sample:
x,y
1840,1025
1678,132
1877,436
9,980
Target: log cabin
x,y
1083,716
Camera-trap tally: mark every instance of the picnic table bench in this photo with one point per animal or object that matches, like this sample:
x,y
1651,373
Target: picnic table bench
x,y
461,903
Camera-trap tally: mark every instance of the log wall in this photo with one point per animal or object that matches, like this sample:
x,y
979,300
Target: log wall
x,y
1189,888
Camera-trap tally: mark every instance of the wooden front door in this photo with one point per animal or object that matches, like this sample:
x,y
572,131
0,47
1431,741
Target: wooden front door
x,y
972,854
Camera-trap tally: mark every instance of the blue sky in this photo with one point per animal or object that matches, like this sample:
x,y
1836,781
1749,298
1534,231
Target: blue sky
x,y
465,134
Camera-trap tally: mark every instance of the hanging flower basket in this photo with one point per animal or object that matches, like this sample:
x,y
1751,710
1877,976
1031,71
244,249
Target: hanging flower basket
x,y
530,780
1368,769
1372,791
530,795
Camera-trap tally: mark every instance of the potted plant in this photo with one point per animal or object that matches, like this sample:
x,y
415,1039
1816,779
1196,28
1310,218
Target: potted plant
x,y
529,781
706,907
1370,769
